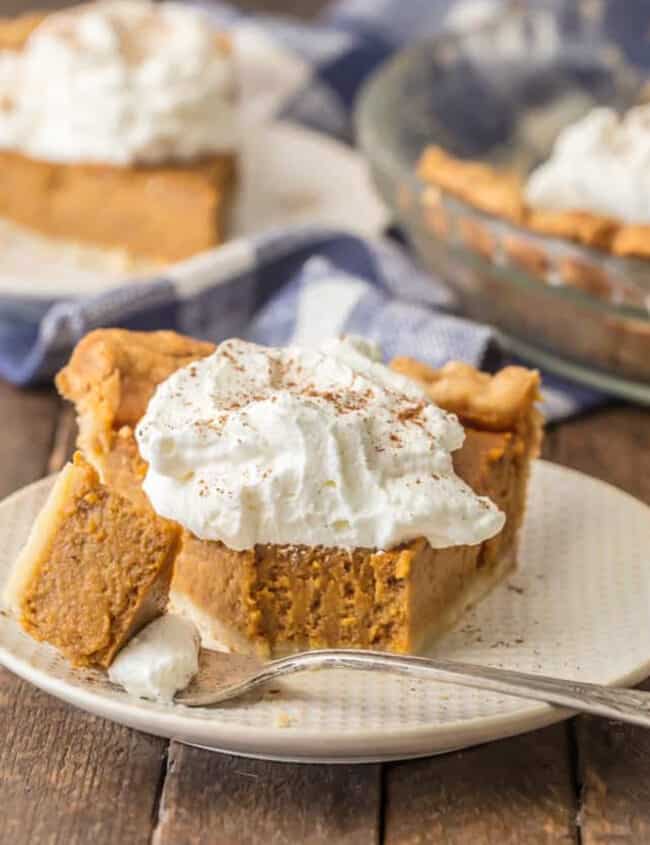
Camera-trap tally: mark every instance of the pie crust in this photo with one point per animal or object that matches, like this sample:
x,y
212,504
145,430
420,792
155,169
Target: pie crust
x,y
501,193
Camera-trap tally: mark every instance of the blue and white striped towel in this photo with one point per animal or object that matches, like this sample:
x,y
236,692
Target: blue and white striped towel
x,y
303,284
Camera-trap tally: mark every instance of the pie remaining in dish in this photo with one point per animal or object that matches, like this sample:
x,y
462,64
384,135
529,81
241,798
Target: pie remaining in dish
x,y
558,259
273,599
502,194
166,195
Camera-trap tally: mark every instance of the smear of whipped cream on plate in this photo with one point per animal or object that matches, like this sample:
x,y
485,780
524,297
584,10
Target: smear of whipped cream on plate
x,y
160,660
327,446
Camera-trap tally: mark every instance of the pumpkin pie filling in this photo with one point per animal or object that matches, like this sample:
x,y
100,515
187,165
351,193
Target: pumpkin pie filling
x,y
273,599
94,571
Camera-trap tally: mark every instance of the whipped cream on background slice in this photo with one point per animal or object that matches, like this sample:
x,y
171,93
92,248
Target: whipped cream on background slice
x,y
307,446
119,82
599,164
160,660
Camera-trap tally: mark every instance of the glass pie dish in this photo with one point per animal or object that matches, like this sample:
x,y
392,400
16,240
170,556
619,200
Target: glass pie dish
x,y
500,94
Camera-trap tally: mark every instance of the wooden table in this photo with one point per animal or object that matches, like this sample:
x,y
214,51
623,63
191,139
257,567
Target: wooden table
x,y
72,778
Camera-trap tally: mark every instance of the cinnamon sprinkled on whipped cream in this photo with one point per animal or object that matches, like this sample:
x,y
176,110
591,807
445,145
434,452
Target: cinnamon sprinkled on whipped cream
x,y
294,446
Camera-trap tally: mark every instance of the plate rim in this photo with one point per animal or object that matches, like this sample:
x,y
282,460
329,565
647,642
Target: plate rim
x,y
314,744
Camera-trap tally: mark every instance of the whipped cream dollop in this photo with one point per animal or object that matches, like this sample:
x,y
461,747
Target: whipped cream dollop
x,y
119,82
160,660
599,164
309,447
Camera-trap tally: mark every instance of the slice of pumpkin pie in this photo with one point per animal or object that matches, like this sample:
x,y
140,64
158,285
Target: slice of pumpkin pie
x,y
325,499
142,156
94,571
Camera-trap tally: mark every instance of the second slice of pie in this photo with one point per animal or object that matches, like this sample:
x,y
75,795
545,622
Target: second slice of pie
x,y
139,158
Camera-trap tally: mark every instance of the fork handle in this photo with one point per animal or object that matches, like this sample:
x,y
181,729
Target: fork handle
x,y
614,703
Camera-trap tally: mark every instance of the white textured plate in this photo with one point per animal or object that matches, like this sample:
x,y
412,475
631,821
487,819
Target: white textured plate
x,y
289,175
579,607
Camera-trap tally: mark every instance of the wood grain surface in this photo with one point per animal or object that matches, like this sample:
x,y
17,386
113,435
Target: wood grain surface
x,y
67,777
215,799
614,781
517,790
612,761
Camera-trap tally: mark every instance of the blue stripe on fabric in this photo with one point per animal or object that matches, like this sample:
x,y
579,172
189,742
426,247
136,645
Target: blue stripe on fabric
x,y
33,352
277,264
402,328
348,71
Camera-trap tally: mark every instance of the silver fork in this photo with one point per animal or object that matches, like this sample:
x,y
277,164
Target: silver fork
x,y
223,677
